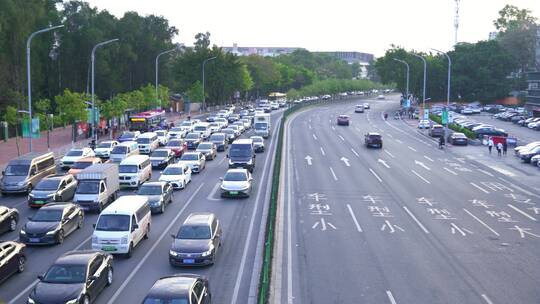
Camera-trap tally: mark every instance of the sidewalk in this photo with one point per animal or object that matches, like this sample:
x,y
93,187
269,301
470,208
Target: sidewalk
x,y
59,142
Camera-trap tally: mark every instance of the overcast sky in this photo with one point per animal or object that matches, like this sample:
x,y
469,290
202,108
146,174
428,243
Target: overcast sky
x,y
339,25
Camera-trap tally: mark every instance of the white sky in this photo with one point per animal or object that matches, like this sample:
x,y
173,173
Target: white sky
x,y
339,25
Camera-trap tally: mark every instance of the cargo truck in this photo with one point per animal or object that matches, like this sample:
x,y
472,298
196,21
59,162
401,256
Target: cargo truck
x,y
262,124
98,186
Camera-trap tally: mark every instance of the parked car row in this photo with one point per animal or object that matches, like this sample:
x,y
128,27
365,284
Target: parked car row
x,y
529,153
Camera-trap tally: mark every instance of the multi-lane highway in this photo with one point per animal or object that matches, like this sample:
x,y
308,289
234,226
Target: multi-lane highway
x,y
233,278
408,223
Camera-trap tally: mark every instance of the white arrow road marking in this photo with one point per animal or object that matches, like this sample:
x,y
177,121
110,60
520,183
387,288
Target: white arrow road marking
x,y
399,141
411,148
333,174
375,174
389,135
388,152
308,159
346,161
479,188
354,218
355,153
421,177
421,164
309,126
450,171
431,160
314,137
521,211
333,128
322,151
383,163
460,230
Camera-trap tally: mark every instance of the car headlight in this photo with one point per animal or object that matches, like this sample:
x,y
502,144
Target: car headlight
x,y
23,232
50,195
51,232
31,195
124,240
21,183
74,301
173,253
207,253
31,301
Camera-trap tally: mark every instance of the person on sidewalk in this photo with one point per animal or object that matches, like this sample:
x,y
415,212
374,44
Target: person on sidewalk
x,y
490,144
499,148
505,148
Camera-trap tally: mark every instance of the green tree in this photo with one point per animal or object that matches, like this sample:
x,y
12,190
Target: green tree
x,y
195,92
72,106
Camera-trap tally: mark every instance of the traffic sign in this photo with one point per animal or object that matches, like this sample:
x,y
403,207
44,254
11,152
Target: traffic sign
x,y
444,117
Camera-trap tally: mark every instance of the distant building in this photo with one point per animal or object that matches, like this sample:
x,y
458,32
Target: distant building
x,y
492,36
261,51
533,79
363,59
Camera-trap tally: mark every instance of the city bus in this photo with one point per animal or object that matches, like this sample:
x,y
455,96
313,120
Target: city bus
x,y
146,121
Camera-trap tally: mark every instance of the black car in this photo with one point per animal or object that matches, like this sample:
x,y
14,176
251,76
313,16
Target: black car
x,y
75,277
52,223
232,118
528,154
12,259
55,188
159,195
373,139
480,132
197,241
161,158
179,288
9,217
220,139
193,140
458,138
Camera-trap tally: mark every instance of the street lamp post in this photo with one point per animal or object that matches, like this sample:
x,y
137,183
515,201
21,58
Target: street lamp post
x,y
424,86
93,59
157,68
448,85
406,64
29,80
203,81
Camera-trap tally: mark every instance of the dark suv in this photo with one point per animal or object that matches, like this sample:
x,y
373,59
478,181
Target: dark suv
x,y
179,288
54,188
52,223
373,140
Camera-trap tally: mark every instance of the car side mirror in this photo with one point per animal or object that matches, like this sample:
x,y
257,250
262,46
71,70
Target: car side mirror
x,y
254,155
40,277
173,236
3,172
29,218
93,278
94,225
221,178
134,227
227,155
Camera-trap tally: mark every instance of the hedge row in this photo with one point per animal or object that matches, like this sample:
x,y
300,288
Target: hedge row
x,y
470,134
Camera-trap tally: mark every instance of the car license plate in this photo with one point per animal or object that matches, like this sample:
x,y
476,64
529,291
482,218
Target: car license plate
x,y
39,202
34,240
189,261
108,248
233,192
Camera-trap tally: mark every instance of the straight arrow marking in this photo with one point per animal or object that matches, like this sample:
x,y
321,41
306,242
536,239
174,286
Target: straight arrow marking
x,y
383,163
421,164
308,159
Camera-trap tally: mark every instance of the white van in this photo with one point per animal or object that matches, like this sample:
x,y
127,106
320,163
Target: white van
x,y
123,151
202,128
148,142
122,225
135,170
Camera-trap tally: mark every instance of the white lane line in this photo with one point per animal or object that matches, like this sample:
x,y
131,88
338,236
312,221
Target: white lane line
x,y
488,301
210,196
450,171
421,177
399,141
314,137
221,161
309,126
341,137
333,174
322,151
391,297
354,218
333,128
485,172
375,174
416,220
411,148
389,135
355,153
519,188
481,222
165,232
431,160
390,154
525,214
27,289
479,188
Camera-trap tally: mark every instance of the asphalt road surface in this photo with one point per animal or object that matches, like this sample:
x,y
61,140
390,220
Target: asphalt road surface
x,y
408,223
233,278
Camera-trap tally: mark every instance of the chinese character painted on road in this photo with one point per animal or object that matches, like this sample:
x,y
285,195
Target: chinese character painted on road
x,y
519,198
501,216
317,196
494,186
536,210
480,203
319,209
425,201
371,199
323,225
387,226
380,211
463,231
441,214
524,231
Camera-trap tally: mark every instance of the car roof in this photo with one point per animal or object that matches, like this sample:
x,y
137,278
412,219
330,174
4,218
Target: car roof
x,y
177,165
373,134
56,206
126,204
78,257
149,184
198,218
56,177
241,170
148,135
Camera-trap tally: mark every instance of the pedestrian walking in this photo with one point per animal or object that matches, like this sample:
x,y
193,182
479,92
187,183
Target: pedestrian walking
x,y
499,148
490,144
505,148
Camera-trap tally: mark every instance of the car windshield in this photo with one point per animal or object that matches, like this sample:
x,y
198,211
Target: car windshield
x,y
260,125
47,184
119,150
74,153
143,140
228,131
240,151
159,154
47,215
128,168
82,164
113,222
257,139
174,143
104,145
235,177
200,128
192,136
186,124
204,146
149,190
17,170
65,274
160,133
192,232
166,300
189,157
87,187
176,129
127,135
217,137
172,171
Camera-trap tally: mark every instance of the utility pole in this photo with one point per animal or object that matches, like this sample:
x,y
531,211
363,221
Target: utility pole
x,y
407,65
203,81
424,86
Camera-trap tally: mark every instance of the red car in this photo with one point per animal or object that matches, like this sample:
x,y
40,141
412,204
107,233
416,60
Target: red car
x,y
343,120
178,146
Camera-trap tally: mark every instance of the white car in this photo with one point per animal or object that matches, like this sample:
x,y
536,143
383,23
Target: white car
x,y
104,148
247,123
163,137
366,105
359,109
179,132
223,122
214,127
178,175
194,160
236,130
240,126
380,97
236,183
74,155
187,125
423,124
274,106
